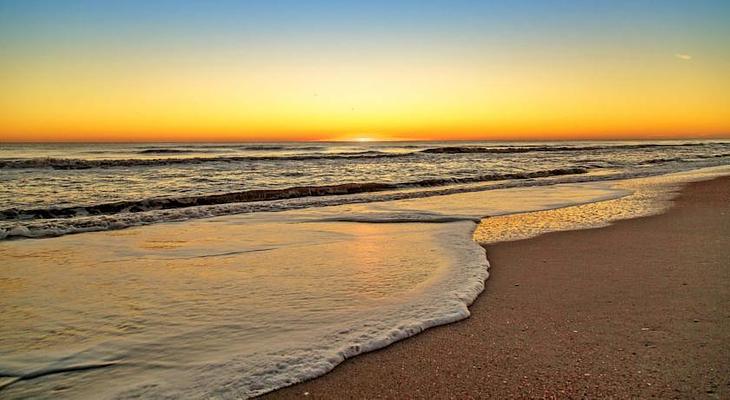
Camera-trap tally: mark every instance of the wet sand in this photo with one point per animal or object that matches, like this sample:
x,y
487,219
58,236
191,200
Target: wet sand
x,y
637,309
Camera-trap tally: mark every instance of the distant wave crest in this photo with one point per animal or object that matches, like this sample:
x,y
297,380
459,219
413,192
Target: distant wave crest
x,y
530,149
82,163
77,163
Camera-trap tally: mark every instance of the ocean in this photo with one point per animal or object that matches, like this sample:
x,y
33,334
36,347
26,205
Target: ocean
x,y
56,189
227,270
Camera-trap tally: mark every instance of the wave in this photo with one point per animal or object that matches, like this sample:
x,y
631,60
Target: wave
x,y
42,228
695,157
268,147
166,151
263,195
530,149
262,147
206,148
83,163
14,378
228,147
76,163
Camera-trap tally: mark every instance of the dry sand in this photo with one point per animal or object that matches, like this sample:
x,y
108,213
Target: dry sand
x,y
639,309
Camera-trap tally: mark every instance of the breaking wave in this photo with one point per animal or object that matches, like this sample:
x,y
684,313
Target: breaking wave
x,y
80,163
263,195
530,149
680,159
76,163
167,151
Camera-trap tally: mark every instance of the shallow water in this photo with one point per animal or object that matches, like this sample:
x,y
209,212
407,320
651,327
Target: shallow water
x,y
238,305
646,197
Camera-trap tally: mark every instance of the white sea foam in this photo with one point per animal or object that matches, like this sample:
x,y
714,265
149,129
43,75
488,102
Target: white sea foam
x,y
244,339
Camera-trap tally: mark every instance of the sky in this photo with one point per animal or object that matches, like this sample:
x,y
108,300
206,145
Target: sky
x,y
388,70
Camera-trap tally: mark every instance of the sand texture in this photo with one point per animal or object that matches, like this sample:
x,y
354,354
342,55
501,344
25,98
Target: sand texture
x,y
639,309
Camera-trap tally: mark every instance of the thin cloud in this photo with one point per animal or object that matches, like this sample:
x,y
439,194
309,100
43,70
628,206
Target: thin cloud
x,y
683,56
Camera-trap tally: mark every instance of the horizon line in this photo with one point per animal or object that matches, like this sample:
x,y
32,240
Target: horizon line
x,y
598,139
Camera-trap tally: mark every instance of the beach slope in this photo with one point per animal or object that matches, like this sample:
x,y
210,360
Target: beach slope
x,y
637,309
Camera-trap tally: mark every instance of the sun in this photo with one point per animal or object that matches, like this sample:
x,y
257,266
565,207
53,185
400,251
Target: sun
x,y
365,137
360,137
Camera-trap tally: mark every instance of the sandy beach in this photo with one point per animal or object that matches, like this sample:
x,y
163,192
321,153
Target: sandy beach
x,y
639,309
364,199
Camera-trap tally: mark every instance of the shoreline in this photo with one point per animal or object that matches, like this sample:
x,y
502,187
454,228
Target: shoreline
x,y
375,252
565,331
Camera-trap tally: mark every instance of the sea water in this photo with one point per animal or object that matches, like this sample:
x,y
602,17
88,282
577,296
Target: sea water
x,y
259,294
55,189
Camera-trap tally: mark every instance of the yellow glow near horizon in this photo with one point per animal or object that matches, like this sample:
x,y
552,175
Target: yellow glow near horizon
x,y
496,98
